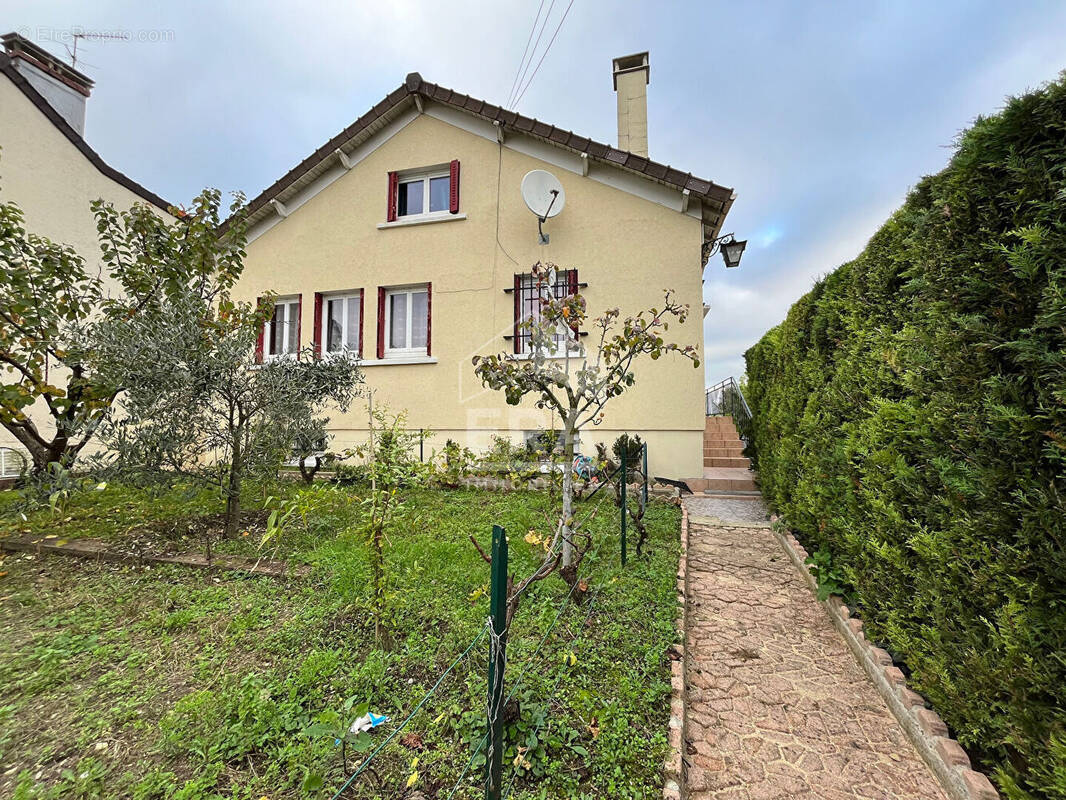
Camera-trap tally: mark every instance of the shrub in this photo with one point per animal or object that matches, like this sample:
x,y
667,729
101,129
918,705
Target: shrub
x,y
910,421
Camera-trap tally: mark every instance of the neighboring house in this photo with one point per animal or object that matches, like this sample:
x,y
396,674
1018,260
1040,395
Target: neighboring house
x,y
47,168
405,239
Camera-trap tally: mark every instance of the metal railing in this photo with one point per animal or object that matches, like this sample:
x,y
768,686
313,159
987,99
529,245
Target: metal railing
x,y
726,397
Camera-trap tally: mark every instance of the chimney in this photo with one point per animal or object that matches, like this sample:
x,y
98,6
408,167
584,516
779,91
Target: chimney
x,y
65,89
631,77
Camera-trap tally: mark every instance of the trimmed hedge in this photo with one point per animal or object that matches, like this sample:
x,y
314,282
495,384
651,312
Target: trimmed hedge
x,y
910,418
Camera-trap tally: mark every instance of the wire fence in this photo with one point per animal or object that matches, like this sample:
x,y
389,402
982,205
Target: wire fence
x,y
492,742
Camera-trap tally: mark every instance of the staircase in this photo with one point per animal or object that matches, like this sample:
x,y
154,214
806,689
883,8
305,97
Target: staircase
x,y
726,472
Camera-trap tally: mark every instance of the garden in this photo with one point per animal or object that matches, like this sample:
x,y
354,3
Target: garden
x,y
142,681
368,661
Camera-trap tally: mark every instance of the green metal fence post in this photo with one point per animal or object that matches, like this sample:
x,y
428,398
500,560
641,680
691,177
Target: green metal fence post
x,y
624,471
497,663
644,455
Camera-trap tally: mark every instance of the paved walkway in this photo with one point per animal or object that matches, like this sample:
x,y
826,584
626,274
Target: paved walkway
x,y
777,705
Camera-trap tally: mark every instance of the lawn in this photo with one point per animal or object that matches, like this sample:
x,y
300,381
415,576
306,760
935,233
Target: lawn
x,y
165,682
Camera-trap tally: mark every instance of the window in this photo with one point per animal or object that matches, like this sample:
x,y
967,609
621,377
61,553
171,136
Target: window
x,y
432,192
527,306
12,463
413,194
406,322
341,323
281,333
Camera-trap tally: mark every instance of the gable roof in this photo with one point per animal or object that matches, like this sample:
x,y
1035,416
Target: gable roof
x,y
715,200
7,67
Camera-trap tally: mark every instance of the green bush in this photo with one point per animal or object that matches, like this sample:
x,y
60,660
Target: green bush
x,y
910,421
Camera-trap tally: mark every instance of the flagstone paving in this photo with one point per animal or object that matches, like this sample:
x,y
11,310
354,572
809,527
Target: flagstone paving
x,y
777,705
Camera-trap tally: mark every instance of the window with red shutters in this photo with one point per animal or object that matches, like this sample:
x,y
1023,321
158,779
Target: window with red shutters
x,y
428,193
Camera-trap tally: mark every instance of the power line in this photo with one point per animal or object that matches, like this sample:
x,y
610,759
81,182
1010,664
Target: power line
x,y
536,44
514,83
546,49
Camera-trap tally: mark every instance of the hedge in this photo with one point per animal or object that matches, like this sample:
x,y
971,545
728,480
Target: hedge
x,y
910,420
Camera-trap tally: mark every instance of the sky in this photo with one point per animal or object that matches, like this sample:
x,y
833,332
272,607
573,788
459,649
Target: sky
x,y
821,115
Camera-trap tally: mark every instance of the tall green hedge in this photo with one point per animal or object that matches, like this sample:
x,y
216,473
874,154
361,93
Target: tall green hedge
x,y
910,418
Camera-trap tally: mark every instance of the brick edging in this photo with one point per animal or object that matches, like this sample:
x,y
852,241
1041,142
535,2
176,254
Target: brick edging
x,y
673,789
923,726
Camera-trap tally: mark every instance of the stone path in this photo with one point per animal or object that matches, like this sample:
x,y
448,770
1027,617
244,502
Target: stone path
x,y
777,706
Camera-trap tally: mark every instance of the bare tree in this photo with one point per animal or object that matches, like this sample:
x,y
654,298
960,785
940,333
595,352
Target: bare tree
x,y
576,383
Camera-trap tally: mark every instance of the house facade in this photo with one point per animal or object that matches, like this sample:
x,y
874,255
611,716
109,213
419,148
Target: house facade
x,y
406,239
49,170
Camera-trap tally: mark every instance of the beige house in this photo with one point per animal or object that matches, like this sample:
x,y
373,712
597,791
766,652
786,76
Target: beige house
x,y
405,238
48,168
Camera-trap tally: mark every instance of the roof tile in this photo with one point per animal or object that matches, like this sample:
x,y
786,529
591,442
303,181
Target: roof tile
x,y
718,196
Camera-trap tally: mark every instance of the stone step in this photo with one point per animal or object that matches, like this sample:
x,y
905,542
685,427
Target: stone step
x,y
725,494
717,444
727,461
731,484
723,452
730,429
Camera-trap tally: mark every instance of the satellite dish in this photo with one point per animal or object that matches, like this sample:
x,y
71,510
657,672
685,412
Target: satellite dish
x,y
543,194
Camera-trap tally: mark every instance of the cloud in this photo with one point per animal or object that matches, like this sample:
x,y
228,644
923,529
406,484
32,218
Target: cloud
x,y
821,115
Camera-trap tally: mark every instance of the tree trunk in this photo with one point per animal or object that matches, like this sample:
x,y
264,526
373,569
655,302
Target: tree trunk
x,y
568,495
233,488
377,567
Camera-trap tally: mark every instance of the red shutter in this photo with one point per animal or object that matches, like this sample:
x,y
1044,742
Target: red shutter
x,y
394,186
429,316
362,316
318,325
381,322
299,320
517,312
259,341
454,195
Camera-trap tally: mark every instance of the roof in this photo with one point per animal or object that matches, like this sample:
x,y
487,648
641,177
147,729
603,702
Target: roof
x,y
716,200
7,67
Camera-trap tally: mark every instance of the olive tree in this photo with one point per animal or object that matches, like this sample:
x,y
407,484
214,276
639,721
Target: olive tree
x,y
197,403
576,383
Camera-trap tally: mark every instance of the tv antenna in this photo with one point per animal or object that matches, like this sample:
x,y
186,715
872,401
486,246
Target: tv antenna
x,y
96,37
544,196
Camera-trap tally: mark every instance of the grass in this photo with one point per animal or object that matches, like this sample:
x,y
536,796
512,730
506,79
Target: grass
x,y
170,683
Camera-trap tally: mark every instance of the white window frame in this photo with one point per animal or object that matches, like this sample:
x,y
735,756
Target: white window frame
x,y
353,294
12,463
398,352
425,176
286,303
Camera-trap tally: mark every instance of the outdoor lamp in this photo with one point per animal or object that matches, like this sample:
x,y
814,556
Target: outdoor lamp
x,y
732,251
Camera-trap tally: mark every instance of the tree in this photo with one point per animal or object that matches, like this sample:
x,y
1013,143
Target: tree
x,y
197,404
391,467
51,305
577,387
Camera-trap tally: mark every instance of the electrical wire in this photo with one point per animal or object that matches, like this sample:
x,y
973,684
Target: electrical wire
x,y
545,53
421,703
518,71
535,45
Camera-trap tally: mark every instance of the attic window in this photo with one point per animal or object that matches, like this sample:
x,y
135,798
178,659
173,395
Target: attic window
x,y
430,192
